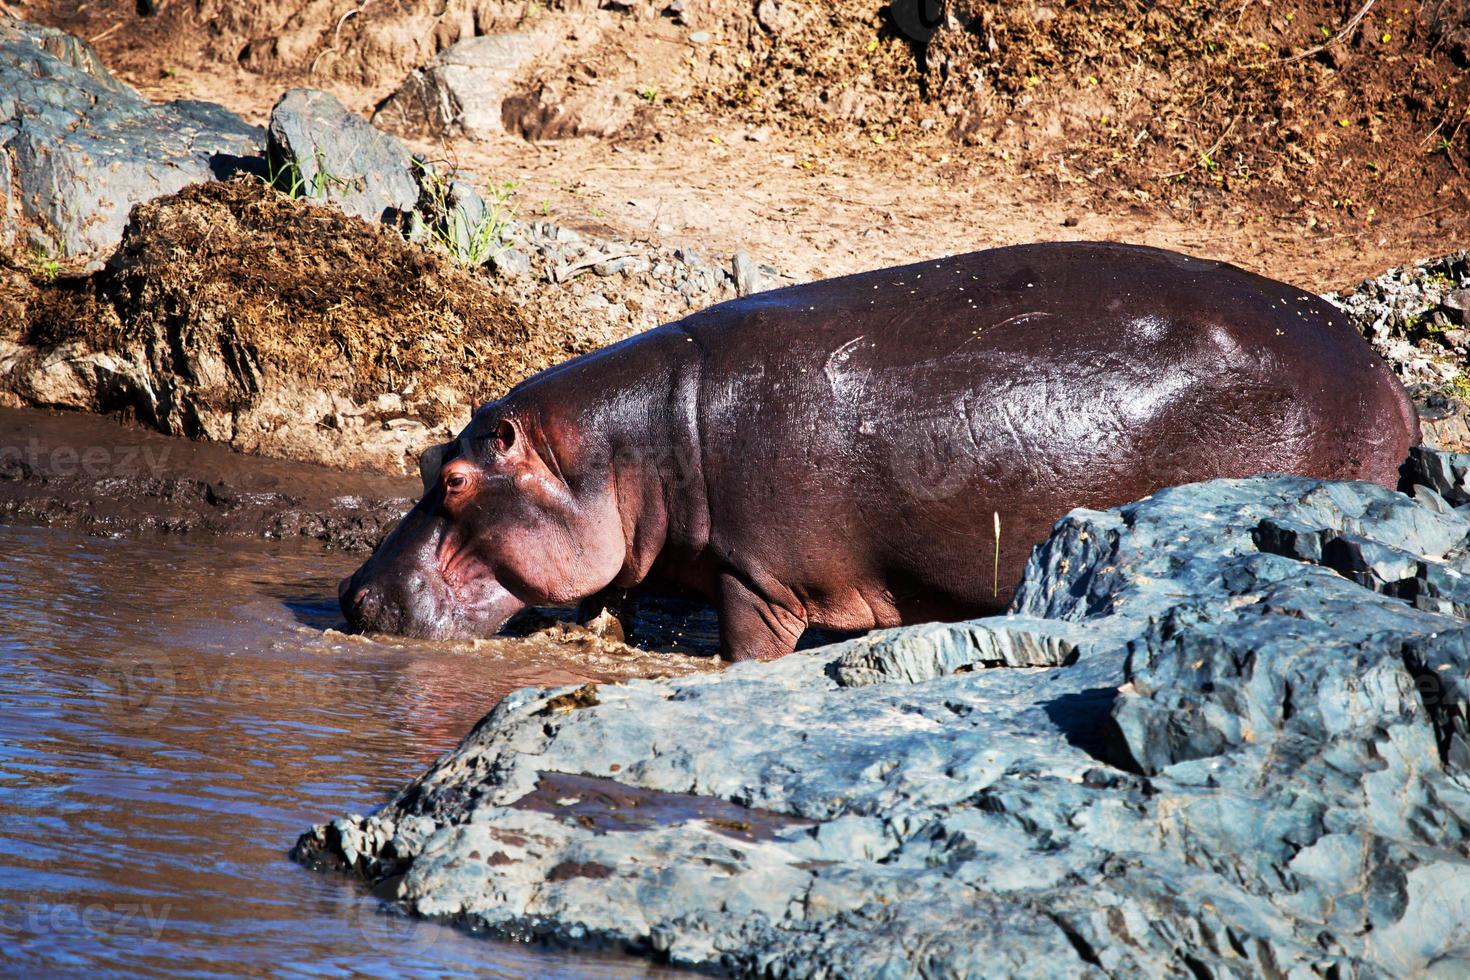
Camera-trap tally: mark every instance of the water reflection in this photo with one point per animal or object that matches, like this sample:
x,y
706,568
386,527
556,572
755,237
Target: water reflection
x,y
174,712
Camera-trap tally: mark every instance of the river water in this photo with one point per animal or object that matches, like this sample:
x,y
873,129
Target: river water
x,y
174,711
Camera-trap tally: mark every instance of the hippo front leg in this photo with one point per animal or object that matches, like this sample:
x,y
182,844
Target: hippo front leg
x,y
753,627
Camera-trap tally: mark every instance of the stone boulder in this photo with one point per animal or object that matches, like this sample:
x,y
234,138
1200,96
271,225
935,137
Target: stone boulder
x,y
460,92
1244,762
317,149
78,148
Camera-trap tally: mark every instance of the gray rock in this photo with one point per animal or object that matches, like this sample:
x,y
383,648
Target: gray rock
x,y
782,16
512,262
748,278
1387,308
319,149
82,148
912,655
457,214
460,92
1248,764
1457,301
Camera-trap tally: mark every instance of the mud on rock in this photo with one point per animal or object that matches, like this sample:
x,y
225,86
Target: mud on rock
x,y
237,314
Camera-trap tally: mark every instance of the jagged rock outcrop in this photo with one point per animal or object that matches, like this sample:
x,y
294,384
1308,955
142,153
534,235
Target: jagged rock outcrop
x,y
1249,760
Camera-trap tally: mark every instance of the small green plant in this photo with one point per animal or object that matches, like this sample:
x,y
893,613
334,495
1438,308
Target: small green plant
x,y
545,207
46,267
289,180
1208,163
648,93
1460,388
468,239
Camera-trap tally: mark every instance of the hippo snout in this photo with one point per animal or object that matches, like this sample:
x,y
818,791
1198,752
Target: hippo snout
x,y
404,605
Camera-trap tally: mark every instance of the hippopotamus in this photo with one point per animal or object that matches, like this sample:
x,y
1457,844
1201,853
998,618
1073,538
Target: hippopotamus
x,y
878,449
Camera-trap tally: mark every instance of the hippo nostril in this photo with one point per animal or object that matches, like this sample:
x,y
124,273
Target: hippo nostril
x,y
360,606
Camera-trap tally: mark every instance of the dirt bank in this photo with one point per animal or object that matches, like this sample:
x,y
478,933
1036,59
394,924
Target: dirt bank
x,y
106,477
837,137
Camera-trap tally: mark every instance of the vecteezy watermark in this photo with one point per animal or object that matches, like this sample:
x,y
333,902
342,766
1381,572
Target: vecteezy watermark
x,y
917,20
135,692
140,691
143,920
92,462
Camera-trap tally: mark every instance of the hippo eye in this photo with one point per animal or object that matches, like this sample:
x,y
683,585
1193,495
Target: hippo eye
x,y
455,482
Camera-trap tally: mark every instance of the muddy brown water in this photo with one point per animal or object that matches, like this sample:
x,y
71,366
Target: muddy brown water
x,y
176,709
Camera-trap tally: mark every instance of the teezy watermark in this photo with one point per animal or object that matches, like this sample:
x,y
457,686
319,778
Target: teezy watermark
x,y
92,462
141,919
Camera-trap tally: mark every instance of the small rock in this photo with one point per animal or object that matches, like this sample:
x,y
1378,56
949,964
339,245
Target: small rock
x,y
781,16
511,263
1457,301
699,37
747,276
460,92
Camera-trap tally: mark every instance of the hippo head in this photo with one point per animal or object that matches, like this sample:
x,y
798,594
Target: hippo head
x,y
507,520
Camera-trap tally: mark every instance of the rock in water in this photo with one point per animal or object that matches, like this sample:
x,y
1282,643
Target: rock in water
x,y
1247,764
318,149
82,148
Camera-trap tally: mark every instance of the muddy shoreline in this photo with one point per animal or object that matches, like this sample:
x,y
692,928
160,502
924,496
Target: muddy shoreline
x,y
105,477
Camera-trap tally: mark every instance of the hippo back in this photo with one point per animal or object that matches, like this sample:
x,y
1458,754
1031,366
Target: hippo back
x,y
860,420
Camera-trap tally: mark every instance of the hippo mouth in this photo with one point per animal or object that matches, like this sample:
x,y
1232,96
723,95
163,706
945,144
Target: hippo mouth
x,y
429,613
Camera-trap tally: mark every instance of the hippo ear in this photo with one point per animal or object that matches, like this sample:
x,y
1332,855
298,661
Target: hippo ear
x,y
430,463
511,447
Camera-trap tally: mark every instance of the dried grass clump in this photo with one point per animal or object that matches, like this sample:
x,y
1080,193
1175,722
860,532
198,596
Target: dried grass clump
x,y
264,280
